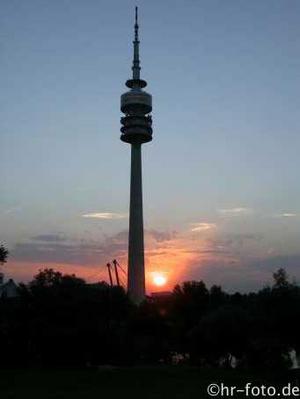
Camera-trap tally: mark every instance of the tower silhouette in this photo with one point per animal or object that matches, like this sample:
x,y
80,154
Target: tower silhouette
x,y
136,129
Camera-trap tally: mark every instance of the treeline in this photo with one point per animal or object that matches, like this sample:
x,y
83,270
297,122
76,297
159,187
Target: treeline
x,y
61,320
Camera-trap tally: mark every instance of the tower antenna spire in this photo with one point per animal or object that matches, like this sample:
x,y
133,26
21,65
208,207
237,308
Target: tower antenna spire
x,y
136,19
136,59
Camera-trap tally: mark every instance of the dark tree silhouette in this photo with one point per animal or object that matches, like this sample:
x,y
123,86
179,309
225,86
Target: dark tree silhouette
x,y
219,334
3,254
280,279
59,319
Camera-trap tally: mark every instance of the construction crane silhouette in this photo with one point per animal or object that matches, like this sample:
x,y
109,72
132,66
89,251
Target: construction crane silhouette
x,y
115,269
108,265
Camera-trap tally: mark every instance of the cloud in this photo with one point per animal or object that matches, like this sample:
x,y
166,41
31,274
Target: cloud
x,y
160,236
9,211
49,238
54,248
57,252
245,275
47,248
238,211
237,245
235,212
202,226
287,215
105,215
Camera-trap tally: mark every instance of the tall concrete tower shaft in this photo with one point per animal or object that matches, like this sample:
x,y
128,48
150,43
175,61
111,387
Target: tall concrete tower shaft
x,y
136,129
136,269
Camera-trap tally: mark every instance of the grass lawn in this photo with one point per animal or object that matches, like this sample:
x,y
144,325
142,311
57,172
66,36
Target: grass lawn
x,y
134,383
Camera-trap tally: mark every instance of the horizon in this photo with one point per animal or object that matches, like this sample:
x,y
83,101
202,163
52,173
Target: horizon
x,y
221,177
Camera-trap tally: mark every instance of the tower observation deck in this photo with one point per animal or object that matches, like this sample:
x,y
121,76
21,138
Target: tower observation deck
x,y
136,105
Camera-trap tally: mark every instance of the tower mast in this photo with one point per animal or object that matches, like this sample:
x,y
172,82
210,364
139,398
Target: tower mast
x,y
136,129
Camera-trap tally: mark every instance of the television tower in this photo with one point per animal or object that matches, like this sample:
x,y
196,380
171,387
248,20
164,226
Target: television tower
x,y
136,129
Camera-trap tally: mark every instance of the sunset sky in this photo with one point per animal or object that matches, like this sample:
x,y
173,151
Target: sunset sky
x,y
221,177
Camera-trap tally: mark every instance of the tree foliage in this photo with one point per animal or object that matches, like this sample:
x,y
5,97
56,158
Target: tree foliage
x,y
59,319
3,254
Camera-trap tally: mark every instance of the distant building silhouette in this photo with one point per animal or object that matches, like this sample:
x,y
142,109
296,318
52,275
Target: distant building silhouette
x,y
8,289
161,295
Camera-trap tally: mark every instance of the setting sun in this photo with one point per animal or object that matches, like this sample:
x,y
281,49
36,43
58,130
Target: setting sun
x,y
159,279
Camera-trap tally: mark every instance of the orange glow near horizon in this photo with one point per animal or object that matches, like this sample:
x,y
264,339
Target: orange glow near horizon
x,y
167,262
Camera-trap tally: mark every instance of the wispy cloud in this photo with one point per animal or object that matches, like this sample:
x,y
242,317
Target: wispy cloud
x,y
287,215
202,226
12,210
237,211
67,251
56,248
49,238
160,236
105,215
236,243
